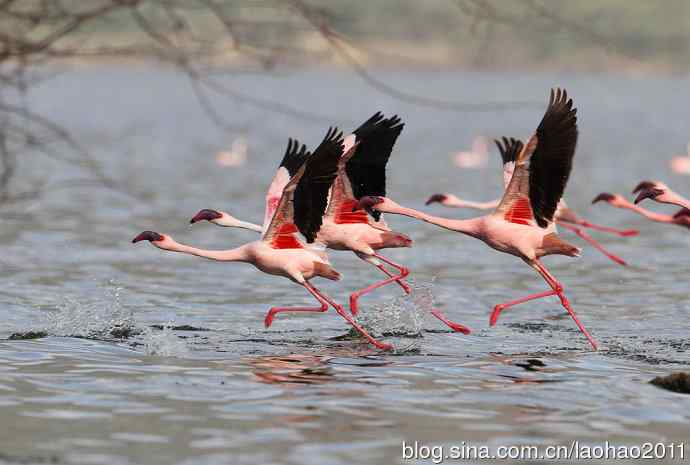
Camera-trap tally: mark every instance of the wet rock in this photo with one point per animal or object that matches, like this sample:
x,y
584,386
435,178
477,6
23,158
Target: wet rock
x,y
28,335
676,382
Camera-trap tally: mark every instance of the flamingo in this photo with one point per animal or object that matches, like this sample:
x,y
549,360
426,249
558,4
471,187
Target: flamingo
x,y
523,223
680,164
298,207
361,171
659,192
681,217
474,158
236,156
509,148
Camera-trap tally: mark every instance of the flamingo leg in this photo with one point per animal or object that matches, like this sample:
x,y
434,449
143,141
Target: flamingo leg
x,y
619,232
354,297
405,287
593,242
268,321
457,327
557,289
325,300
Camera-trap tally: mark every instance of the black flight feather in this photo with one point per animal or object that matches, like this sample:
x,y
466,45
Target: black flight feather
x,y
294,156
509,149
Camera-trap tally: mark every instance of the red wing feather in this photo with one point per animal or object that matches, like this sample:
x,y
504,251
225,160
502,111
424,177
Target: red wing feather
x,y
345,215
284,238
520,212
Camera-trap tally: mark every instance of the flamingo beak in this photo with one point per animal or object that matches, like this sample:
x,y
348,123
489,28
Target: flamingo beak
x,y
207,215
366,203
148,236
604,196
436,198
648,194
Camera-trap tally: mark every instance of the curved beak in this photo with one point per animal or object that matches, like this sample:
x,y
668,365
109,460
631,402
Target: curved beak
x,y
150,236
644,185
207,215
436,198
604,196
650,193
366,203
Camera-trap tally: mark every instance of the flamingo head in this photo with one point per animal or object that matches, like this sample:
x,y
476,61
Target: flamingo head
x,y
153,237
682,217
651,190
208,215
440,198
369,203
616,200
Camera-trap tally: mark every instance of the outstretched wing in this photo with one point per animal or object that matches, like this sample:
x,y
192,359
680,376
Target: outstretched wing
x,y
509,148
365,169
303,200
543,166
294,157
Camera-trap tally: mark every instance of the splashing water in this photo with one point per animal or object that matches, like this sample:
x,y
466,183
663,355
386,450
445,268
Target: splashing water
x,y
104,318
163,342
402,316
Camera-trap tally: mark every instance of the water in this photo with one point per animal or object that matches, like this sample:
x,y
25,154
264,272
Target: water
x,y
221,389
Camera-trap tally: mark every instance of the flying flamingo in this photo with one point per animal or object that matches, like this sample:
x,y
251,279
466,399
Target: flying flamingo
x,y
361,171
474,158
236,156
298,208
681,217
659,192
509,148
523,223
681,163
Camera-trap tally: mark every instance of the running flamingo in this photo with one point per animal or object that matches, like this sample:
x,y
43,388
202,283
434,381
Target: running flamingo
x,y
681,163
298,208
681,217
523,223
361,171
509,148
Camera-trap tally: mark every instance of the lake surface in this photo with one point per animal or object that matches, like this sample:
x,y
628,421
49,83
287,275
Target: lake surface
x,y
224,390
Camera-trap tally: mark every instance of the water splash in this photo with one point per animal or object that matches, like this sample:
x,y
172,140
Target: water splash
x,y
103,318
163,342
402,316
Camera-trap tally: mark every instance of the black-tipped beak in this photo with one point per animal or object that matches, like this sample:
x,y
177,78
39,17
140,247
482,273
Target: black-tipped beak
x,y
604,196
150,236
644,185
436,198
207,215
648,194
366,203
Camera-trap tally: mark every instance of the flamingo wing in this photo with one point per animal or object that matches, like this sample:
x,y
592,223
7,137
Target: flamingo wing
x,y
509,148
303,200
294,157
543,166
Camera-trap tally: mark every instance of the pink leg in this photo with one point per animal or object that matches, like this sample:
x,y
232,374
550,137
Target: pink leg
x,y
268,321
619,232
557,289
403,284
437,313
324,300
594,243
354,297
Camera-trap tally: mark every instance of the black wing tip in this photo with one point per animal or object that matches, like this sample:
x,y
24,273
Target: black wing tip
x,y
295,155
509,148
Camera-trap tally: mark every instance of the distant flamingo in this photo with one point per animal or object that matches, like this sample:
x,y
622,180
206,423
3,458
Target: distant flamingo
x,y
474,158
659,192
680,164
522,224
681,217
299,208
236,156
509,148
361,171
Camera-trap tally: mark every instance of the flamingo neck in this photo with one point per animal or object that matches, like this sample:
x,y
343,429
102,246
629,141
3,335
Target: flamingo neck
x,y
660,217
479,205
235,223
471,227
680,201
239,254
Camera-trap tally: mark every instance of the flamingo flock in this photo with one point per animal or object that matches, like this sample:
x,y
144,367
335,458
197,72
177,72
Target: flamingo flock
x,y
334,198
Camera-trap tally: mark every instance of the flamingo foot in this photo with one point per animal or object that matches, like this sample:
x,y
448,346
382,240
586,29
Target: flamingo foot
x,y
268,320
457,327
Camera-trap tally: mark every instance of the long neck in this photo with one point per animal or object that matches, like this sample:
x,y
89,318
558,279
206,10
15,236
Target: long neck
x,y
469,227
680,201
239,254
234,223
461,203
660,217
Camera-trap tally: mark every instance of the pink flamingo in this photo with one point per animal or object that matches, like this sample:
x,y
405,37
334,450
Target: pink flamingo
x,y
299,208
361,171
659,192
523,223
474,158
680,164
564,216
681,217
